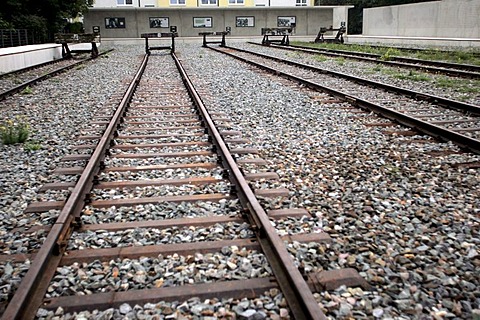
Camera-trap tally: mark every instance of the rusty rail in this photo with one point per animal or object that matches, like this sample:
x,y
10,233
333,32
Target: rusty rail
x,y
416,123
31,291
295,288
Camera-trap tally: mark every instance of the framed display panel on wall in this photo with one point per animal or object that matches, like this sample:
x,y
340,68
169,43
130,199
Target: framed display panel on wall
x,y
286,21
202,22
159,22
245,22
114,23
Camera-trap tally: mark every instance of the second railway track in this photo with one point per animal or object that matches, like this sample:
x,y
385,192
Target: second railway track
x,y
438,67
440,117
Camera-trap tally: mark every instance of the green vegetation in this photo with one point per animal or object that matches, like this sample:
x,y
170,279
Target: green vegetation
x,y
471,56
27,90
293,54
460,85
389,54
14,131
44,17
340,61
32,146
406,75
321,58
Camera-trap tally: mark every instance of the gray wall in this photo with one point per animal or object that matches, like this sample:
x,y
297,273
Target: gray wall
x,y
308,19
443,19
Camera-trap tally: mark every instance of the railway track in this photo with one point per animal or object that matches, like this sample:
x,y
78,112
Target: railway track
x,y
160,151
19,80
442,118
436,67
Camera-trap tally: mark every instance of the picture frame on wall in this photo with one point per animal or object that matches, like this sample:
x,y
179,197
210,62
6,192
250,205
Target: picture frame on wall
x,y
242,22
114,22
159,22
202,22
286,22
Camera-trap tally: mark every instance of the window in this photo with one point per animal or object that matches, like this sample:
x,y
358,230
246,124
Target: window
x,y
202,22
114,23
177,2
124,2
236,2
245,22
301,3
208,2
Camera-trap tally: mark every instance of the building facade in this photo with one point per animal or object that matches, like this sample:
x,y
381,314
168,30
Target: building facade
x,y
200,3
132,18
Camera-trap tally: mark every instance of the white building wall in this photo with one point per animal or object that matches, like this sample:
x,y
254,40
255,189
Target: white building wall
x,y
443,19
135,4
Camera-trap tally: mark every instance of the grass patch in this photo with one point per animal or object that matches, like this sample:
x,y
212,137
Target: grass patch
x,y
14,131
293,54
27,90
340,61
320,58
413,76
469,87
32,146
410,75
471,56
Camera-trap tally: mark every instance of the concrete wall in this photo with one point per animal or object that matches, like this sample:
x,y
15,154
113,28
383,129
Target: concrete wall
x,y
442,19
308,20
15,58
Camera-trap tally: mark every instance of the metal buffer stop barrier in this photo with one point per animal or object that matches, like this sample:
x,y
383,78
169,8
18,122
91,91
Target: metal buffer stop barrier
x,y
279,35
66,38
172,34
338,37
218,33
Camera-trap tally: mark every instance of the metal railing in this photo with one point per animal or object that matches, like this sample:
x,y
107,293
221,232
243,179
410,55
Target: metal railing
x,y
19,37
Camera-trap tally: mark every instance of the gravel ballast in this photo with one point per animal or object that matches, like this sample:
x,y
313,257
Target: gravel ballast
x,y
397,208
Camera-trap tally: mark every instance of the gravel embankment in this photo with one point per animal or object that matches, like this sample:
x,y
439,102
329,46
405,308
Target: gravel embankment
x,y
406,219
56,111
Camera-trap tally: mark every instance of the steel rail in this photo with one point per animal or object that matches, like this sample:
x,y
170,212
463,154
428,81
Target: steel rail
x,y
423,50
31,291
422,126
294,287
444,102
449,68
25,84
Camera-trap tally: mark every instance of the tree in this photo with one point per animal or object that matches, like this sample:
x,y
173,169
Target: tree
x,y
44,16
355,15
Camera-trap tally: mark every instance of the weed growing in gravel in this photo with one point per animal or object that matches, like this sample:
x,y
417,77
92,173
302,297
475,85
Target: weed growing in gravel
x,y
377,68
27,90
14,131
389,54
321,58
293,54
413,76
340,61
460,85
32,146
463,56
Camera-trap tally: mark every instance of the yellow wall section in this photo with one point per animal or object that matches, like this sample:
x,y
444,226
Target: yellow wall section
x,y
166,4
246,3
221,3
194,3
